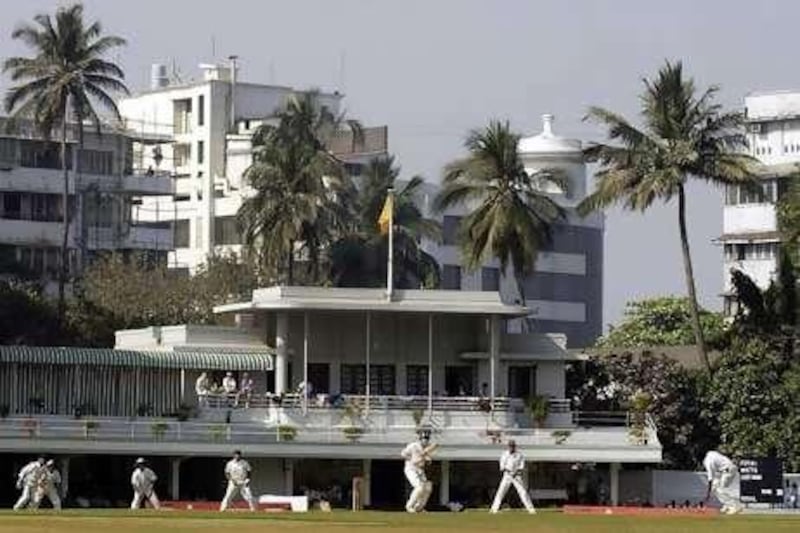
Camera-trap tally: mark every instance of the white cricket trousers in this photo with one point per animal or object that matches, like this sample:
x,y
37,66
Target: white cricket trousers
x,y
502,489
139,496
726,489
422,489
52,495
28,496
231,491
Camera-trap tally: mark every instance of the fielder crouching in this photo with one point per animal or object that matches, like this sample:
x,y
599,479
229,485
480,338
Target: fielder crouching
x,y
237,472
512,465
143,481
417,455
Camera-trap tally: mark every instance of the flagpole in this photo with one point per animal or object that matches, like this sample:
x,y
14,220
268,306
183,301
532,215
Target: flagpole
x,y
389,259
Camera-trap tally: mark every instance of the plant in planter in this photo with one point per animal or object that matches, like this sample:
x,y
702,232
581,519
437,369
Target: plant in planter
x,y
417,415
5,410
539,408
30,426
218,432
353,433
560,436
185,412
159,428
286,433
144,409
495,435
639,406
89,427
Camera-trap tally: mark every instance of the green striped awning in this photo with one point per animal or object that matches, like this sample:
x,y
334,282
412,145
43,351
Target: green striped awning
x,y
206,358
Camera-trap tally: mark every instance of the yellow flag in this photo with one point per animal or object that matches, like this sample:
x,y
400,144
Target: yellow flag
x,y
387,214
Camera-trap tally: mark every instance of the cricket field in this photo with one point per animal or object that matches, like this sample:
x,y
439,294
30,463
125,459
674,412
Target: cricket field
x,y
118,521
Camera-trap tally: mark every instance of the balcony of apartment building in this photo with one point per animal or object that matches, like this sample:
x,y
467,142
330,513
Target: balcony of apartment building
x,y
372,142
29,218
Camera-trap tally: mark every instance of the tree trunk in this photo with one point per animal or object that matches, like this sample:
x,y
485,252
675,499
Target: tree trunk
x,y
63,267
290,265
690,286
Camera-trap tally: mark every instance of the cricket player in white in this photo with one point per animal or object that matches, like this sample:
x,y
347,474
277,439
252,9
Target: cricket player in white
x,y
28,480
237,472
723,481
143,481
512,465
417,456
49,484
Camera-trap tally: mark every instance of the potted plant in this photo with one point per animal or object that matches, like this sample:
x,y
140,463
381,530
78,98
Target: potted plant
x,y
218,432
286,433
159,428
30,426
353,433
417,415
89,427
640,404
144,409
560,436
539,408
185,412
5,410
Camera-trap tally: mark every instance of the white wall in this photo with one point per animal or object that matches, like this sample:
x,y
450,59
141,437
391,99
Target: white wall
x,y
749,218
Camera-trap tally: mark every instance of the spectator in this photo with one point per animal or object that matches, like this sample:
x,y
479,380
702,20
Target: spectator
x,y
305,388
201,387
793,496
245,389
229,386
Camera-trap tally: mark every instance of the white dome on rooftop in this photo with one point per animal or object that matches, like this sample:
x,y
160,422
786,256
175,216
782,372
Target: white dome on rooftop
x,y
547,142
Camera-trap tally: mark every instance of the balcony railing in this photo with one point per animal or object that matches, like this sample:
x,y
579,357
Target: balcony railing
x,y
153,430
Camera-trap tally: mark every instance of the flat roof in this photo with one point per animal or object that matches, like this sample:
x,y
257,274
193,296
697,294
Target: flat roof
x,y
403,301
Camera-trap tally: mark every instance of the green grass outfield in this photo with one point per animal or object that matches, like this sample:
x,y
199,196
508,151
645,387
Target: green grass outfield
x,y
120,521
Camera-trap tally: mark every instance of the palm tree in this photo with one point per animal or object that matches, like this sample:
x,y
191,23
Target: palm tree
x,y
359,258
512,217
683,135
65,79
302,192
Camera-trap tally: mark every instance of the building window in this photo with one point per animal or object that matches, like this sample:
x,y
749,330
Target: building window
x,y
12,205
450,230
451,277
226,231
182,115
96,161
182,153
490,279
201,109
352,379
354,169
181,237
201,152
43,154
417,380
381,379
731,194
8,150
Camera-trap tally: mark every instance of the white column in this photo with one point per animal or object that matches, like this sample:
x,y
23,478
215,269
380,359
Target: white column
x,y
613,476
430,364
494,353
367,483
64,476
281,352
368,350
175,478
288,477
444,485
183,385
305,362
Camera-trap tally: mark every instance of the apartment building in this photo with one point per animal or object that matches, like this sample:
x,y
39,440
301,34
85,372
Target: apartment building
x,y
104,185
750,238
210,124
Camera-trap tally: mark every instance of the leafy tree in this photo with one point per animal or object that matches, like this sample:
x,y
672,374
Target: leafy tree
x,y
788,215
684,135
612,381
66,79
302,194
132,293
754,396
359,258
665,321
512,216
26,317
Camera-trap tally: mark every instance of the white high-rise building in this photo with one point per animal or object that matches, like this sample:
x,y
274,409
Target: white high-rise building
x,y
750,236
210,124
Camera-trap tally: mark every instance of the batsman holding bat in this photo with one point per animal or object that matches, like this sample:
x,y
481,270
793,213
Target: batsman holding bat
x,y
512,465
417,455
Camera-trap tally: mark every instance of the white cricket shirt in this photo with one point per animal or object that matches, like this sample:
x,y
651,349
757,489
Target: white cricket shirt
x,y
237,471
512,462
715,464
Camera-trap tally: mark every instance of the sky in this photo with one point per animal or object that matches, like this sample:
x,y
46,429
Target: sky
x,y
434,69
